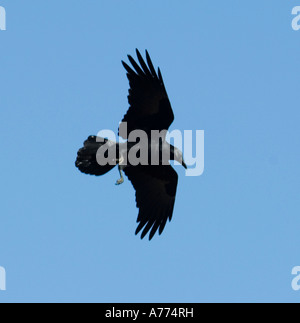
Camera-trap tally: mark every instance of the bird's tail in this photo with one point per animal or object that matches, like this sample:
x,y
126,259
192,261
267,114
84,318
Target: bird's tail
x,y
87,160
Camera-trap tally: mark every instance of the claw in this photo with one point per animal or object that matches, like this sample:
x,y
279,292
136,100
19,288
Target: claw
x,y
120,181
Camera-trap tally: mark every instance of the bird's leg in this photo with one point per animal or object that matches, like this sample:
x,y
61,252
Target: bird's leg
x,y
121,180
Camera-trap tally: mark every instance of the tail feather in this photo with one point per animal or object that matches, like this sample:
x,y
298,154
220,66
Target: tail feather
x,y
86,160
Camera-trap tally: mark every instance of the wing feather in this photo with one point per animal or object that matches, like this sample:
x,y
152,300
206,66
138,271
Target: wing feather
x,y
150,107
155,188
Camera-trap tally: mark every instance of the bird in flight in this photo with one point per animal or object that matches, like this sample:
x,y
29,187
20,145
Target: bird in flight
x,y
155,183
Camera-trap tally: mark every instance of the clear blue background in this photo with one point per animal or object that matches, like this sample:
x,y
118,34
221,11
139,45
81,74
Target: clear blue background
x,y
231,68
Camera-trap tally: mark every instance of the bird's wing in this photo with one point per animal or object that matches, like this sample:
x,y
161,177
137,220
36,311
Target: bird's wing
x,y
150,108
155,188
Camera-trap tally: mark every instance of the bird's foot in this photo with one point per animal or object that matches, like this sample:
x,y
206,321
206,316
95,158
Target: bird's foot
x,y
120,181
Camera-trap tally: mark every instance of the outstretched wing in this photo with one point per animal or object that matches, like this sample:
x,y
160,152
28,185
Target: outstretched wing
x,y
150,108
155,188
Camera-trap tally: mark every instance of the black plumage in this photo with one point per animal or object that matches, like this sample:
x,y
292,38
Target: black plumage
x,y
150,109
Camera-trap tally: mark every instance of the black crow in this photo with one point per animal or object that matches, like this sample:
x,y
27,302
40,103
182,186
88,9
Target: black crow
x,y
155,183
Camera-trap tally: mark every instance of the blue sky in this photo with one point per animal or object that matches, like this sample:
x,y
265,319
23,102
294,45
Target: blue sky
x,y
231,68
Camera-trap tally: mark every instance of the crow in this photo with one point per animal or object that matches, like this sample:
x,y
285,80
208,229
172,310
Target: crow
x,y
154,179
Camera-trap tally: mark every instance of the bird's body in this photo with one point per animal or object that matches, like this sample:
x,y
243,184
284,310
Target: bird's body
x,y
145,156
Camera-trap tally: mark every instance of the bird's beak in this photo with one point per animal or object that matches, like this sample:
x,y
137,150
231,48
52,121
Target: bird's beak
x,y
184,165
